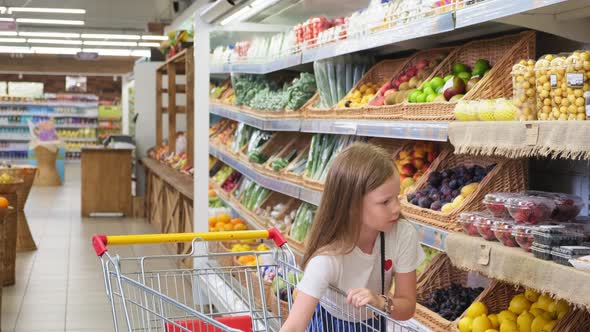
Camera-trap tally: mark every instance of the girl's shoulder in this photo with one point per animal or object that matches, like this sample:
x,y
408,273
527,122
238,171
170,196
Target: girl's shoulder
x,y
401,229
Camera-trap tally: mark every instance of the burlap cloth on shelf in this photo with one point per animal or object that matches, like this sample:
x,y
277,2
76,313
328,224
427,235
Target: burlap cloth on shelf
x,y
513,139
516,266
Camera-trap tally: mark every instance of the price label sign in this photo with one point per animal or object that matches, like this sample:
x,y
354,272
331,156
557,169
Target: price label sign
x,y
532,133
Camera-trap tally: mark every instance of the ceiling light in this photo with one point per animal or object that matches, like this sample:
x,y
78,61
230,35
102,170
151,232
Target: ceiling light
x,y
49,34
46,10
141,53
7,33
109,51
103,36
12,49
109,43
54,41
2,10
12,40
239,15
55,50
6,19
150,37
45,21
148,44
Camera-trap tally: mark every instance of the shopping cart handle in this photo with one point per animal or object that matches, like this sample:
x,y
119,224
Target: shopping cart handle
x,y
100,242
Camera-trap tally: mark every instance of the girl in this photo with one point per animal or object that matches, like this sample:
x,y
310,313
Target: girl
x,y
357,243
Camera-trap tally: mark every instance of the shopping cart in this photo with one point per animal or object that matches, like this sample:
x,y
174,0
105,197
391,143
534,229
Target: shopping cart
x,y
151,293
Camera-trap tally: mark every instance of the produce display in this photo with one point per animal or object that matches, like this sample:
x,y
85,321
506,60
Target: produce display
x,y
232,181
253,195
224,134
401,87
261,94
86,133
222,92
336,76
452,301
486,110
412,163
446,190
429,254
318,30
524,90
298,167
240,137
257,140
530,209
273,215
496,203
361,96
528,311
302,222
248,260
278,164
222,175
224,222
524,236
323,149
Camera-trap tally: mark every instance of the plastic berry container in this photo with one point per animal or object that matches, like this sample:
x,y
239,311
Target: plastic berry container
x,y
485,227
542,252
495,203
524,237
551,235
561,258
528,209
503,233
567,207
563,254
468,221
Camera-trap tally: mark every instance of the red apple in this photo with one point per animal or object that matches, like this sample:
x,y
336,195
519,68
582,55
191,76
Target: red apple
x,y
377,101
418,162
412,72
421,64
388,92
385,87
431,156
396,83
408,170
404,78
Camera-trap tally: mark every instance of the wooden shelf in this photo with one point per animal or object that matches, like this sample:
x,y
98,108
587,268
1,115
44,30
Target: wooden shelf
x,y
179,181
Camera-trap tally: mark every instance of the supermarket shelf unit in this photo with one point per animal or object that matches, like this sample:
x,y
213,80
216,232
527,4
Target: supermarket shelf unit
x,y
61,110
180,64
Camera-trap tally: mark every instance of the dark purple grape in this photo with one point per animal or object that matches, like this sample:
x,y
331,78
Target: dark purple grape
x,y
424,202
436,206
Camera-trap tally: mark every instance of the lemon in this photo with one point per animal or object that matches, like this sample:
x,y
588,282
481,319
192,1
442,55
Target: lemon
x,y
491,330
524,321
481,324
469,189
539,323
536,311
457,201
563,307
465,324
531,295
506,315
552,310
476,309
518,304
544,301
549,326
447,208
508,326
494,320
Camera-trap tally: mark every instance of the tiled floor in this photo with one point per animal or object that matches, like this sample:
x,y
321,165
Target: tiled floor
x,y
60,286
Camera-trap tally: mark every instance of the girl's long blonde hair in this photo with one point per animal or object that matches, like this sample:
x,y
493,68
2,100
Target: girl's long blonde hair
x,y
356,171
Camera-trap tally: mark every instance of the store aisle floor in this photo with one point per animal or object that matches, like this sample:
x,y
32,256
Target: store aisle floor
x,y
60,286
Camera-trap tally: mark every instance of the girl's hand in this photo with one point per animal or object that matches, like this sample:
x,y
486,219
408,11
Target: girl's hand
x,y
362,296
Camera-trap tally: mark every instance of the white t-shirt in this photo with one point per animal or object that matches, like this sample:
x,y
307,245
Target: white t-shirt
x,y
357,269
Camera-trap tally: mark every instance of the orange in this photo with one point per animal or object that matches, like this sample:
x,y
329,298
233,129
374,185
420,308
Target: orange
x,y
224,218
3,202
228,227
220,229
236,221
219,224
212,193
240,227
212,221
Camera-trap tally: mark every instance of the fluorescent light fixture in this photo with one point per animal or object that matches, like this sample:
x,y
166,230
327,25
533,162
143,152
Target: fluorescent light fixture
x,y
142,53
151,37
239,15
148,44
108,51
104,36
46,10
12,40
2,10
250,10
7,33
49,34
109,43
54,41
6,19
12,49
55,50
46,21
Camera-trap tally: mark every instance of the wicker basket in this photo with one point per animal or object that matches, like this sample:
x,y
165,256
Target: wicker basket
x,y
300,144
393,112
502,53
380,72
444,149
274,305
312,184
24,241
440,273
276,143
274,199
509,175
290,176
7,247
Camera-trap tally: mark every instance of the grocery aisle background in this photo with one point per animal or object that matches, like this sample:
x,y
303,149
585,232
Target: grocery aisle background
x,y
43,299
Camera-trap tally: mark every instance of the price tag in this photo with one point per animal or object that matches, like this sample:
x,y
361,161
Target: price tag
x,y
553,80
575,80
484,254
532,133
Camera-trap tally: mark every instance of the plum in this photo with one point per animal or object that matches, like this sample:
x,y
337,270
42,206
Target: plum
x,y
445,190
455,193
435,197
436,206
411,196
435,179
454,184
424,202
414,201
